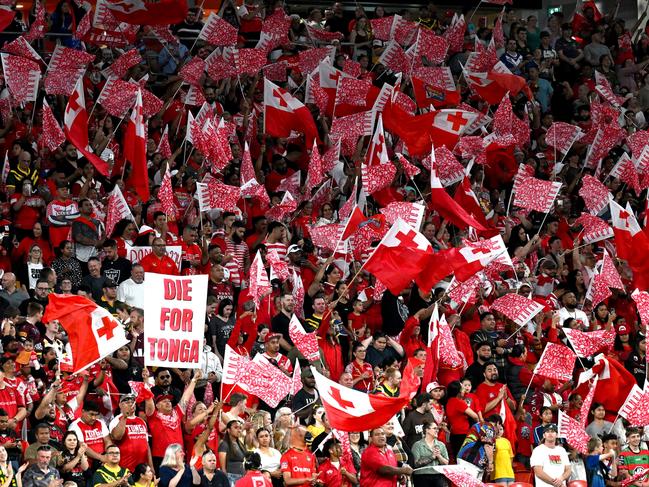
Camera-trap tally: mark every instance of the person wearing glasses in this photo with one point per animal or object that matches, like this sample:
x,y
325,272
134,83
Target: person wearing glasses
x,y
158,261
427,453
41,296
111,474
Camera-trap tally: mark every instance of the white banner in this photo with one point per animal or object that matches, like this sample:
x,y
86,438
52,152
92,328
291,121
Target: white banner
x,y
136,254
175,320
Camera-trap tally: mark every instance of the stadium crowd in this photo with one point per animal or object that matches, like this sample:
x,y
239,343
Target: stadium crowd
x,y
489,413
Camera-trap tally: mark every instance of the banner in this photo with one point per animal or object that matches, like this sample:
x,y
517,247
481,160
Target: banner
x,y
175,320
136,254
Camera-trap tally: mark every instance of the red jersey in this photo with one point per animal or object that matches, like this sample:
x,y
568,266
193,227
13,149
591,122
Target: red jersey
x,y
365,385
300,464
487,393
11,400
373,458
165,430
134,445
93,436
159,265
30,211
190,253
253,479
330,473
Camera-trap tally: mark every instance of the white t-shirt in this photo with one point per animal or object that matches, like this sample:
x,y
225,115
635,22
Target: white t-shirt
x,y
577,314
552,460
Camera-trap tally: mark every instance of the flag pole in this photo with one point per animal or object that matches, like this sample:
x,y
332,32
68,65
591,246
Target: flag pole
x,y
475,10
530,384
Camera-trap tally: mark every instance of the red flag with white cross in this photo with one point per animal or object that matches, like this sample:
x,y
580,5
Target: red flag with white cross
x,y
92,331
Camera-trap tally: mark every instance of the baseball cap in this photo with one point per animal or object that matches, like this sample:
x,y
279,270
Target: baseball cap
x,y
551,427
110,283
163,397
623,330
128,397
434,385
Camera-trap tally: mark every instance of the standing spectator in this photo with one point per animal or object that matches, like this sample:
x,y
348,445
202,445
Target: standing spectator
x,y
73,462
130,434
131,290
158,261
87,232
549,461
427,453
232,451
92,431
413,425
253,477
113,266
379,465
66,264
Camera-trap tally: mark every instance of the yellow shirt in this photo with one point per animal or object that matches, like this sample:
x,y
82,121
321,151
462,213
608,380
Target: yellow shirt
x,y
503,460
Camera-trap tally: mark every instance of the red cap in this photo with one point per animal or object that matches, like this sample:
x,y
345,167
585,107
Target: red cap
x,y
270,336
163,397
623,330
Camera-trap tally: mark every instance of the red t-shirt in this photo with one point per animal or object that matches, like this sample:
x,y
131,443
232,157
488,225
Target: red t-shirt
x,y
190,253
253,479
134,444
300,464
29,213
93,436
487,393
371,460
165,430
11,400
164,265
458,421
330,473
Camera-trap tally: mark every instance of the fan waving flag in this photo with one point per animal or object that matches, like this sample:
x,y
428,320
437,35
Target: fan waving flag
x,y
587,344
573,432
556,362
92,331
135,150
636,407
259,283
306,343
348,408
283,113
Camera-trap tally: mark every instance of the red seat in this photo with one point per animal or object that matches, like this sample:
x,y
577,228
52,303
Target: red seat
x,y
520,484
493,485
578,483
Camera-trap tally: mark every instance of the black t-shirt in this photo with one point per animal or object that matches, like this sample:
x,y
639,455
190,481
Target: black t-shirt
x,y
338,24
279,324
218,480
118,270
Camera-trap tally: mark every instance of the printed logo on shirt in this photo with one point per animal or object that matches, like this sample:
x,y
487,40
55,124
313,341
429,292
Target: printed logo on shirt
x,y
555,459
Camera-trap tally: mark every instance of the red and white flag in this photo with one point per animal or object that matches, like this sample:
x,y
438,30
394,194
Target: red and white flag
x,y
410,169
296,382
556,362
117,209
435,86
492,86
64,70
287,206
316,173
137,12
636,407
594,228
141,390
594,194
306,343
20,47
92,331
449,169
641,299
352,91
517,308
348,408
266,381
603,87
626,171
562,135
606,137
135,150
164,148
76,127
53,135
214,195
598,290
587,344
22,76
402,255
411,213
610,274
448,353
259,282
218,32
278,267
536,194
458,475
167,197
298,293
7,15
283,114
454,34
446,206
573,432
122,64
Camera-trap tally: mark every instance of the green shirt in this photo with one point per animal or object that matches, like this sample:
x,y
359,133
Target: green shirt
x,y
424,459
106,475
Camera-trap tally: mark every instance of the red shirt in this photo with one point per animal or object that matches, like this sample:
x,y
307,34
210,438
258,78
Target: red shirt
x,y
29,213
165,430
459,421
330,474
487,393
371,460
190,253
356,370
163,265
11,400
134,445
253,479
93,436
300,464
